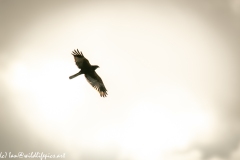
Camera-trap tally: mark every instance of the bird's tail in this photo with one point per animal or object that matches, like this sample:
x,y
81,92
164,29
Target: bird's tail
x,y
75,75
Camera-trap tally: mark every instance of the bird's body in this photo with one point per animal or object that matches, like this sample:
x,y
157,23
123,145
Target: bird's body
x,y
89,71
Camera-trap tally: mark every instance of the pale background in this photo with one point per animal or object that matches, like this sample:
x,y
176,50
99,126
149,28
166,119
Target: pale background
x,y
171,68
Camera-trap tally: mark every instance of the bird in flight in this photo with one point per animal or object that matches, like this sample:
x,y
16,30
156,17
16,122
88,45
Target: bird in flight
x,y
89,71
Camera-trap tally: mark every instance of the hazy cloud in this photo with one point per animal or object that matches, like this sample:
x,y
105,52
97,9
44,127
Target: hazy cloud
x,y
171,68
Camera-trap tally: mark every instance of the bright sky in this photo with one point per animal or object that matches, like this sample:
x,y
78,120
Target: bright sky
x,y
171,74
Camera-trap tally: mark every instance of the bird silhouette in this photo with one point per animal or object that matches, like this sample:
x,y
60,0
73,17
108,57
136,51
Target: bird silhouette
x,y
89,71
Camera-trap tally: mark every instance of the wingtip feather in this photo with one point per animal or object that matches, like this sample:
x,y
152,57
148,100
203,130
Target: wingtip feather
x,y
77,52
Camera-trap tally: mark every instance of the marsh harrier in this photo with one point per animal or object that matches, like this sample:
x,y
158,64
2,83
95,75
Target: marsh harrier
x,y
89,71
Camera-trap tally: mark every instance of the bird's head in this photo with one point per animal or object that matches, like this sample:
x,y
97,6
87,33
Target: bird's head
x,y
94,67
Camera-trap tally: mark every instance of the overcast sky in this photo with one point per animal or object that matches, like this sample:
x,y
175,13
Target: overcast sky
x,y
171,68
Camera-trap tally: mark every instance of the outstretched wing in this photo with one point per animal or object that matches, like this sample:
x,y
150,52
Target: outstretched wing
x,y
97,83
80,60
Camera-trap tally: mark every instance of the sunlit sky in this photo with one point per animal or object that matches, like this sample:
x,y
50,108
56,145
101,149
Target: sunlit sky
x,y
171,69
